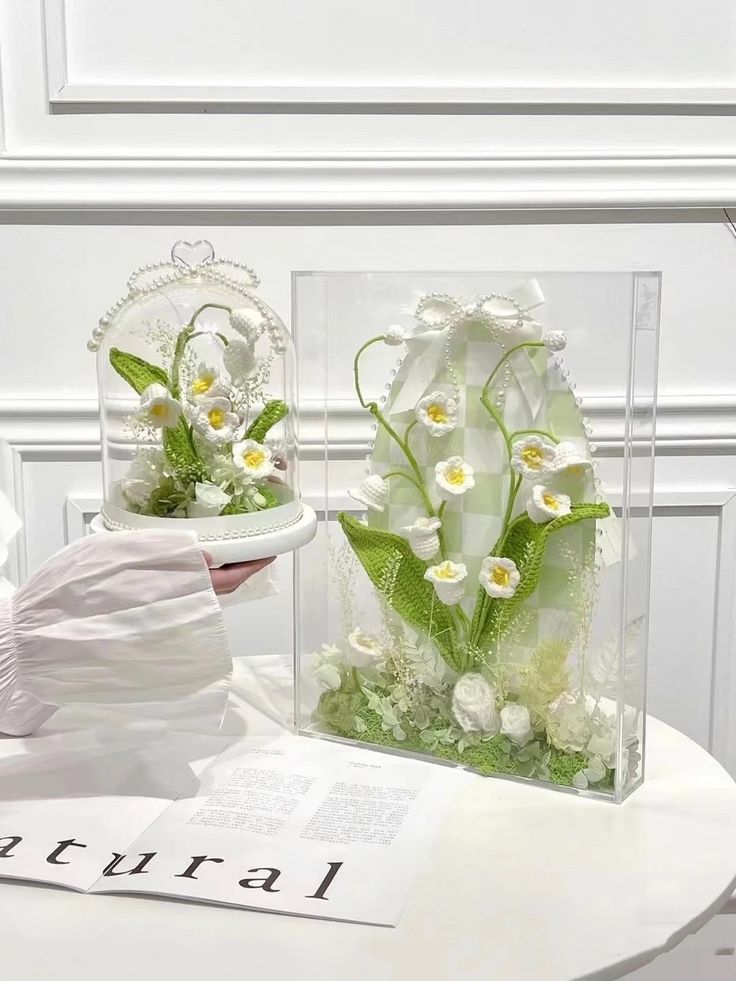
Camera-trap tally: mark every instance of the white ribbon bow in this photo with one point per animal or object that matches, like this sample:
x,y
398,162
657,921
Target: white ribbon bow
x,y
439,315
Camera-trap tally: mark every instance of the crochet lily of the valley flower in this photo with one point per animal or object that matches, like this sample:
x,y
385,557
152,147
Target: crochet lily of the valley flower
x,y
253,458
372,491
533,456
159,407
437,413
499,577
546,504
448,579
423,537
454,478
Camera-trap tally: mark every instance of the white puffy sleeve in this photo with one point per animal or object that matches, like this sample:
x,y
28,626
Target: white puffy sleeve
x,y
112,628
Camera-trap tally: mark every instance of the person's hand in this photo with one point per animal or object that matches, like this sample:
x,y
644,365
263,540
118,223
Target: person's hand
x,y
227,578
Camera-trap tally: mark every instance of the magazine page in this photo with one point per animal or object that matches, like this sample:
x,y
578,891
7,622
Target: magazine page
x,y
301,826
69,802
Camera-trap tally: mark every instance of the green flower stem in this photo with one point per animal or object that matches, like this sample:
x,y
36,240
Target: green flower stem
x,y
382,421
513,350
491,409
356,369
414,483
515,484
208,306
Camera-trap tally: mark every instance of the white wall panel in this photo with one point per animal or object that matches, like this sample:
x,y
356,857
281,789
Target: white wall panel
x,y
416,52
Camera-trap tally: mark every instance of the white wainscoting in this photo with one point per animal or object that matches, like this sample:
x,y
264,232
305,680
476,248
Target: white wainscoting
x,y
250,56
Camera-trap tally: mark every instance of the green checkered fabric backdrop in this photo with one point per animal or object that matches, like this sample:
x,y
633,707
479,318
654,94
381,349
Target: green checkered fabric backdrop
x,y
537,397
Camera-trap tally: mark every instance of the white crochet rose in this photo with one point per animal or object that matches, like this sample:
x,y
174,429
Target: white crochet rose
x,y
516,724
474,704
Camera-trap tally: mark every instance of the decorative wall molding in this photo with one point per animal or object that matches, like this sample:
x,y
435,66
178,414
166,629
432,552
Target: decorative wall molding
x,y
685,424
362,188
65,94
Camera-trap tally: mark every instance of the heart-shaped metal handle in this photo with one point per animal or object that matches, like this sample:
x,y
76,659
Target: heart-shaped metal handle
x,y
192,254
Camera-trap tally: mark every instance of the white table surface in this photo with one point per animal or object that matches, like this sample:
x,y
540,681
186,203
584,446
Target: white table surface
x,y
526,885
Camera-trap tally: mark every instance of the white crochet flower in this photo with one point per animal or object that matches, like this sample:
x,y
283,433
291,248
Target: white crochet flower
x,y
372,491
437,413
532,456
499,577
240,360
247,322
159,407
569,726
545,504
516,724
209,500
254,458
143,475
394,335
207,384
474,704
448,579
365,651
215,420
423,537
569,459
556,340
454,478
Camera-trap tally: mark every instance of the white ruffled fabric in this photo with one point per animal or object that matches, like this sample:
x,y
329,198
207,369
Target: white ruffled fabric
x,y
115,628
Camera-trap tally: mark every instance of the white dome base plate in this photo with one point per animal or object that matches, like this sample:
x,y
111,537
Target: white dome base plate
x,y
228,550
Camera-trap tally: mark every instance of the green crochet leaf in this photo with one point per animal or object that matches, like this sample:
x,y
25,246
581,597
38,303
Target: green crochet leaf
x,y
272,413
139,374
398,575
525,542
178,446
181,454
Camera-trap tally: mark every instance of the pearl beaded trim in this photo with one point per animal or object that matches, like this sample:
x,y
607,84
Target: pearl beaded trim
x,y
142,282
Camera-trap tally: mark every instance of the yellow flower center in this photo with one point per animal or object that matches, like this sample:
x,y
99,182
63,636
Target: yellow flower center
x,y
437,413
254,458
551,501
445,571
202,384
216,418
455,475
501,576
158,411
532,457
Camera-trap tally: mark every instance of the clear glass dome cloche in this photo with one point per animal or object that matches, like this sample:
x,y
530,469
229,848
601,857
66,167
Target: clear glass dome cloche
x,y
196,380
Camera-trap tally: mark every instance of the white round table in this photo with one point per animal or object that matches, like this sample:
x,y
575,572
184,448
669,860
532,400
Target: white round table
x,y
526,885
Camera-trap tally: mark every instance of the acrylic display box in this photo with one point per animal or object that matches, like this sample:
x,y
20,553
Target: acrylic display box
x,y
479,593
198,413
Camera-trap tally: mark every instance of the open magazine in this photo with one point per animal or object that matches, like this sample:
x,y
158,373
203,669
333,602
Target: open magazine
x,y
290,825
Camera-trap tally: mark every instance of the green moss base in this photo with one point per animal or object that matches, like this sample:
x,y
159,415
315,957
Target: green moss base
x,y
337,711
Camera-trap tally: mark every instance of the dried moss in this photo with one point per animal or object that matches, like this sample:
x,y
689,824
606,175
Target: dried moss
x,y
337,712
